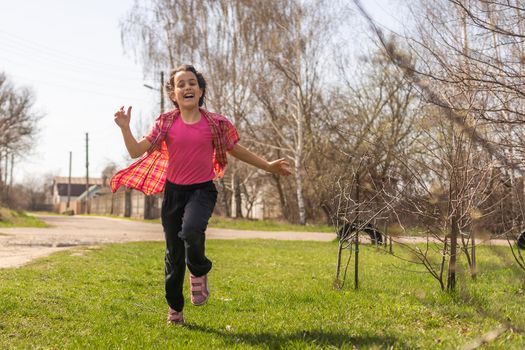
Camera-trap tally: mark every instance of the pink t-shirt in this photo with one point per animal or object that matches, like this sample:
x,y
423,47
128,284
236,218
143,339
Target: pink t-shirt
x,y
190,148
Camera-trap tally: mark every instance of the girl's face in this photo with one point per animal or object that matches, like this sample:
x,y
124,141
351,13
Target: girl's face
x,y
187,91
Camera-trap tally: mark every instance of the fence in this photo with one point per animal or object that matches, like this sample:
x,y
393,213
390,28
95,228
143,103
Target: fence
x,y
127,203
131,203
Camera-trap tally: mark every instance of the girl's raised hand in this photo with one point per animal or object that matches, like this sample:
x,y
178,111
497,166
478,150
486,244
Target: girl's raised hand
x,y
280,166
122,118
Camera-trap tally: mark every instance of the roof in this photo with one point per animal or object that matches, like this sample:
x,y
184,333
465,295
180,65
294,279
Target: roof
x,y
76,189
90,193
77,180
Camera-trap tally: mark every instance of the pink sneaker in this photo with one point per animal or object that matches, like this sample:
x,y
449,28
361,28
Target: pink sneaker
x,y
175,317
200,291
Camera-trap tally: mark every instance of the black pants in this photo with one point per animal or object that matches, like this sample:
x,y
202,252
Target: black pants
x,y
186,210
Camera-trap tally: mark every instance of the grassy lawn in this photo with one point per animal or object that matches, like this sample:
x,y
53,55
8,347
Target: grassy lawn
x,y
265,295
11,218
264,225
245,224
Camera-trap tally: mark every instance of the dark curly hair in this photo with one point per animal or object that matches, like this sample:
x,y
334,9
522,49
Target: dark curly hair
x,y
170,84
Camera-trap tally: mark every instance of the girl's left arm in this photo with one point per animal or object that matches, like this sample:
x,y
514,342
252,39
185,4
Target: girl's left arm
x,y
279,166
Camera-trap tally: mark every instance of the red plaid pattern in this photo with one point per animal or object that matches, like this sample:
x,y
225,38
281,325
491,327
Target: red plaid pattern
x,y
148,174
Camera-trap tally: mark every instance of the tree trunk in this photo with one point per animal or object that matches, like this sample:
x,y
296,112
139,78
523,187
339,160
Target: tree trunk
x,y
1,177
225,203
238,197
473,268
6,164
127,203
233,200
282,197
337,283
299,185
454,230
298,159
12,167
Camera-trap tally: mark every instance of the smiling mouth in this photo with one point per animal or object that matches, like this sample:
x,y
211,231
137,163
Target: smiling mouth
x,y
189,96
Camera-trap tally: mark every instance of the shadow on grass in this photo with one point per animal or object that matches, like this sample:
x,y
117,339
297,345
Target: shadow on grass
x,y
317,337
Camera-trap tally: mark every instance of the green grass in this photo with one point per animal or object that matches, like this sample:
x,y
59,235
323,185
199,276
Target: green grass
x,y
265,295
11,218
246,224
264,225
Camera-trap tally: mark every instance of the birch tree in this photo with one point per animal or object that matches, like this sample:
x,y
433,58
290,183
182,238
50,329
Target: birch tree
x,y
213,36
289,84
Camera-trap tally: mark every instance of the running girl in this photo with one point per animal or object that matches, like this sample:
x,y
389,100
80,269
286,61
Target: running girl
x,y
182,155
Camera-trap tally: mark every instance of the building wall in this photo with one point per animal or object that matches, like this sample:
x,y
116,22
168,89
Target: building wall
x,y
265,207
109,204
115,204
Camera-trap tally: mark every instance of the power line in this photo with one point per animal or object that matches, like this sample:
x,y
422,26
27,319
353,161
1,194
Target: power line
x,y
54,52
79,88
29,55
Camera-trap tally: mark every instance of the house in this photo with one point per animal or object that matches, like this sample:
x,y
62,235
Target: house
x,y
59,191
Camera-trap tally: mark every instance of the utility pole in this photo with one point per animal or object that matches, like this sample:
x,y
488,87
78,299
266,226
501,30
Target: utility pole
x,y
161,89
69,182
1,184
87,211
12,166
148,200
6,167
356,242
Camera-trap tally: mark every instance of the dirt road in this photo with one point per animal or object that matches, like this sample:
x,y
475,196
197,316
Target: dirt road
x,y
21,245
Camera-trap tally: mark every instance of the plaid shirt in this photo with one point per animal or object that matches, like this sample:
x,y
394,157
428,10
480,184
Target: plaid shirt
x,y
148,174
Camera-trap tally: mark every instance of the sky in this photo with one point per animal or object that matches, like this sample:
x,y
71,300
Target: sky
x,y
69,53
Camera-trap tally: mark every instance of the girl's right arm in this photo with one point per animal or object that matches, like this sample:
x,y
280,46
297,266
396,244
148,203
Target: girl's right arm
x,y
135,149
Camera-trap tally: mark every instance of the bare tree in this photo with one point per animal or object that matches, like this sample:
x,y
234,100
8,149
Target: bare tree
x,y
211,35
253,51
289,55
18,125
447,79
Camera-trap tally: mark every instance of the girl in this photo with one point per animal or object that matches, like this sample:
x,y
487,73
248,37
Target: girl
x,y
182,155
